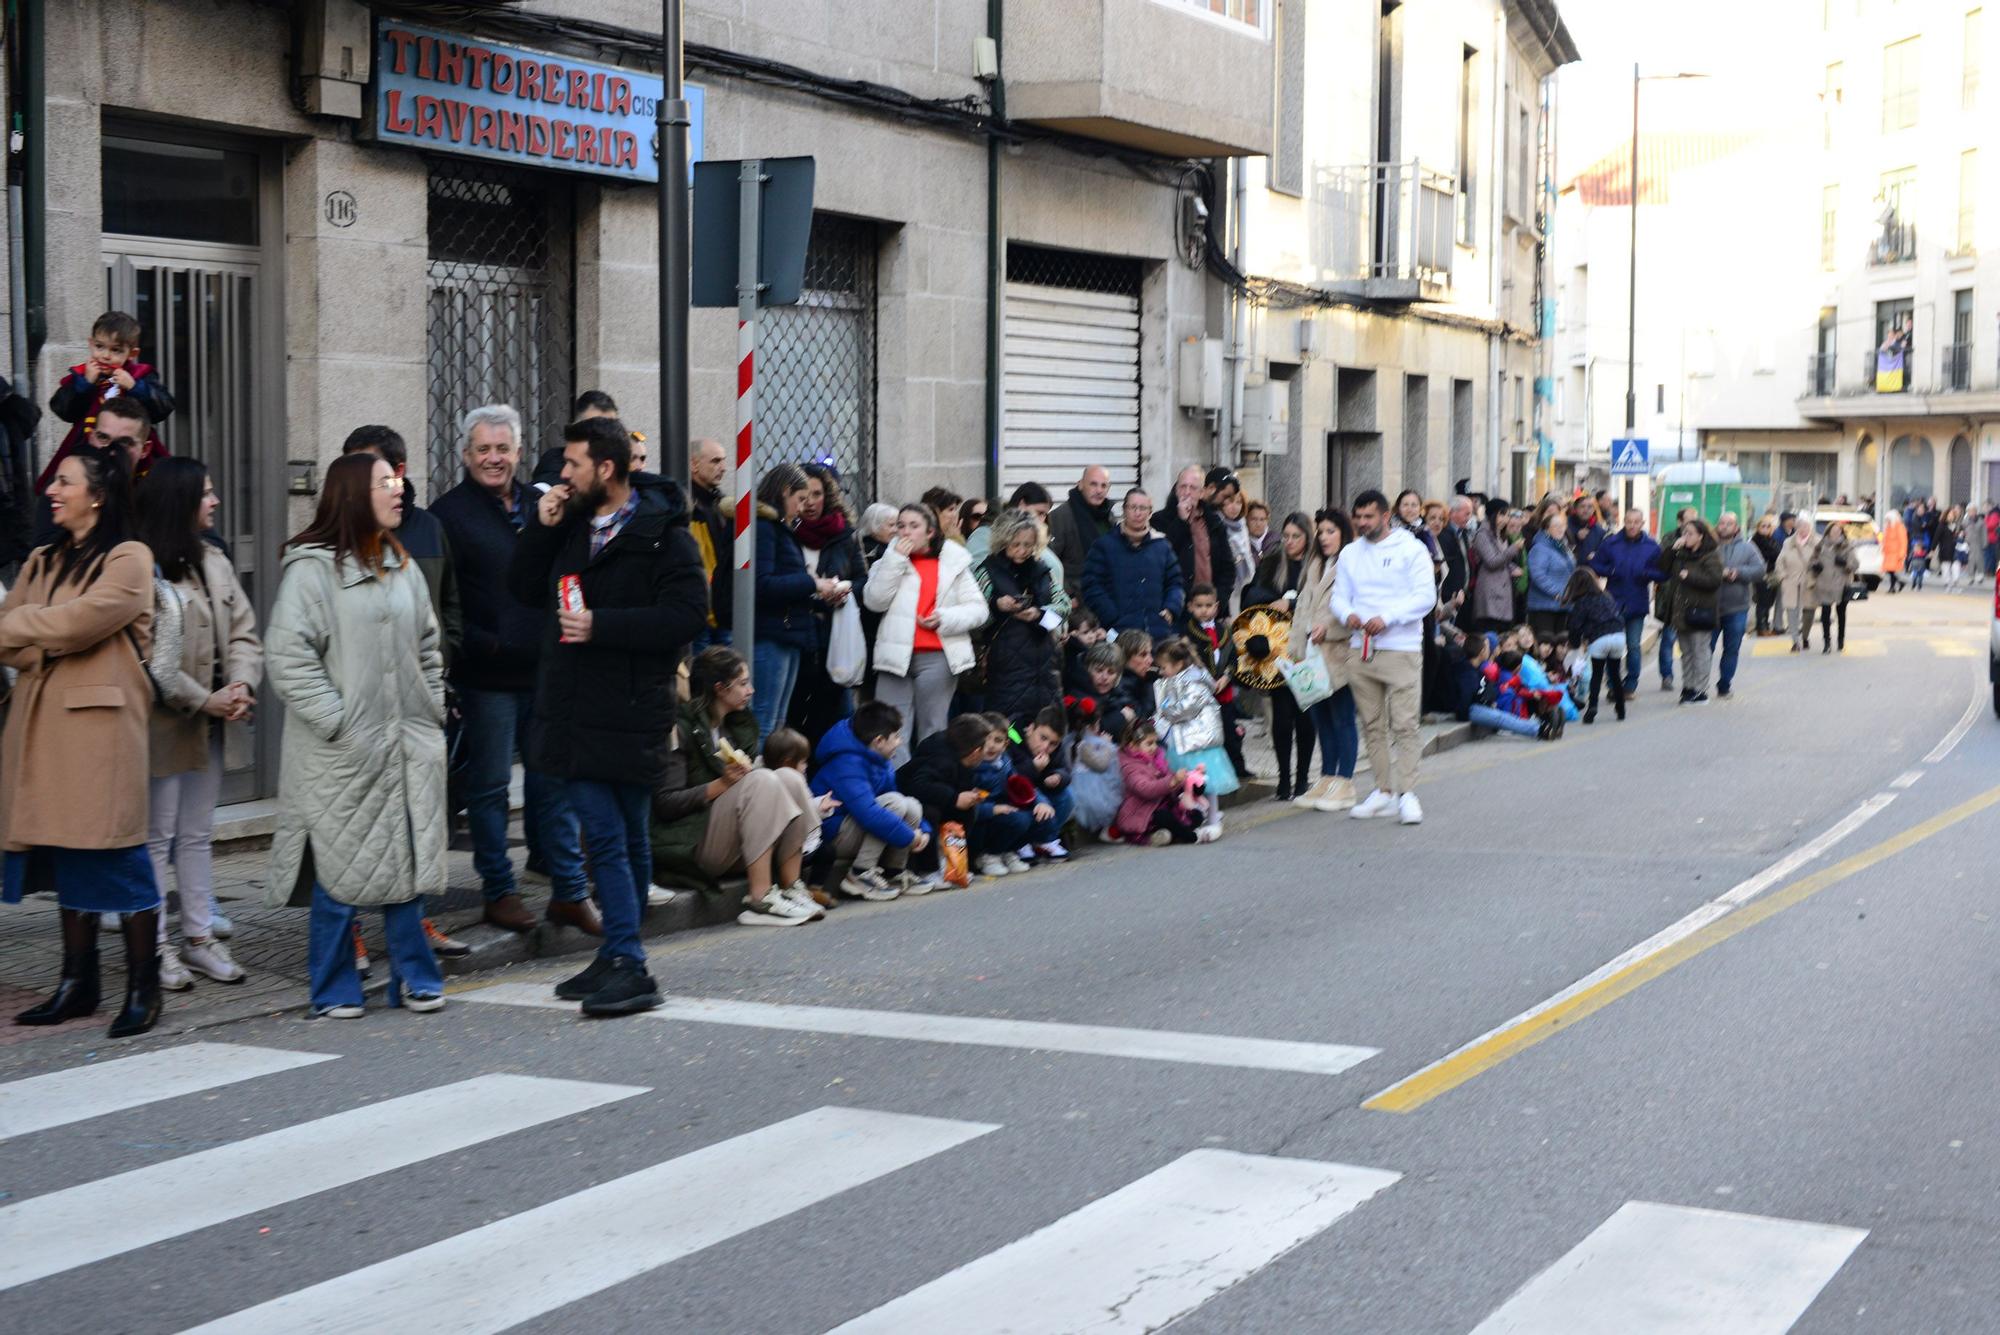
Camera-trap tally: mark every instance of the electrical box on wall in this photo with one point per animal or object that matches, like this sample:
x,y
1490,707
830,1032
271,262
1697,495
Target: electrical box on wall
x,y
1267,410
332,42
1201,374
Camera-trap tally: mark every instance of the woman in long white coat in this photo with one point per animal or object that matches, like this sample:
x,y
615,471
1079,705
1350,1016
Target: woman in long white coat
x,y
930,603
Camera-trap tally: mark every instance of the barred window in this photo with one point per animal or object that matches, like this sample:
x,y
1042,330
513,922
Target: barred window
x,y
501,305
816,366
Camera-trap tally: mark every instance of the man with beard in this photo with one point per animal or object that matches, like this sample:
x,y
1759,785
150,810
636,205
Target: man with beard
x,y
1077,524
715,535
1382,591
605,691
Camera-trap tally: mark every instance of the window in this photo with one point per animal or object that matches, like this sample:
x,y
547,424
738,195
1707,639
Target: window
x,y
1831,99
1254,14
1968,86
1755,466
1468,130
1896,224
1899,85
1524,147
1829,227
1287,174
1968,199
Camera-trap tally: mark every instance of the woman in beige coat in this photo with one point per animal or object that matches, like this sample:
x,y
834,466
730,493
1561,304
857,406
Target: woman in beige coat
x,y
73,757
1795,580
354,653
211,688
1333,718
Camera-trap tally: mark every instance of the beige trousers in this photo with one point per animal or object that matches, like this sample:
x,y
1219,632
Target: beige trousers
x,y
767,809
854,844
1388,699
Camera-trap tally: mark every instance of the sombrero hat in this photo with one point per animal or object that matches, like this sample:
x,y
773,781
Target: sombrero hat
x,y
1261,635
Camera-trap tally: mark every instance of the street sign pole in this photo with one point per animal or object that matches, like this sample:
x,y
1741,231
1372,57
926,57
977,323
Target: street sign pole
x,y
750,185
672,459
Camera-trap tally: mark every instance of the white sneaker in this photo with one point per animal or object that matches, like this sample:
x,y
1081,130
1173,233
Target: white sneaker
x,y
658,896
1377,803
912,884
1409,810
870,885
1015,862
220,927
1053,851
336,1013
777,910
802,897
991,865
1339,796
174,975
423,1003
1311,796
1207,834
211,960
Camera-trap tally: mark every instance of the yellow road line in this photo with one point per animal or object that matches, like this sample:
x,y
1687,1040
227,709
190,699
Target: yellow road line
x,y
1952,648
1419,1089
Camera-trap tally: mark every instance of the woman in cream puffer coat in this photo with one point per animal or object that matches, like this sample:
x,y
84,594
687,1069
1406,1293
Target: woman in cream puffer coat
x,y
930,604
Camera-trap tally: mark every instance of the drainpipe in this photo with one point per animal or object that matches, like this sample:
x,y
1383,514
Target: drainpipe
x,y
996,252
1239,323
34,183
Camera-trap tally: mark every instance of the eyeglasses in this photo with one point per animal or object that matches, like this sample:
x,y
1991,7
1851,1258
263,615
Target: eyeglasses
x,y
104,442
978,516
394,484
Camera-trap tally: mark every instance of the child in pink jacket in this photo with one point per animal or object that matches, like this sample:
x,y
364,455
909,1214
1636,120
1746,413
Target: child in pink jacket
x,y
1151,811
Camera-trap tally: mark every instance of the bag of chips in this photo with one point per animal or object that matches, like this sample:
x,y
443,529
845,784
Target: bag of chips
x,y
954,858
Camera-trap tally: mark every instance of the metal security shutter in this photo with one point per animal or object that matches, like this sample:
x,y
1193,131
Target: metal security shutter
x,y
1071,383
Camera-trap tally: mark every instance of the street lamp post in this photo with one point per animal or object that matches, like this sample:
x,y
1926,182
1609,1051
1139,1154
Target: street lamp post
x,y
674,242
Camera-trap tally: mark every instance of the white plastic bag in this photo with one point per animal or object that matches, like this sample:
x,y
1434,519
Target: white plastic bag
x,y
1308,680
847,648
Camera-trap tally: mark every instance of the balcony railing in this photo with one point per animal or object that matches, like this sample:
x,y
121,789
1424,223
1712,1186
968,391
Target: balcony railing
x,y
1955,374
1897,244
1819,376
1385,229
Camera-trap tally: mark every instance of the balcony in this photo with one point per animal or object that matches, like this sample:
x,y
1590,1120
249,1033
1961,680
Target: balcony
x,y
1145,74
1820,382
1955,372
1897,244
1384,231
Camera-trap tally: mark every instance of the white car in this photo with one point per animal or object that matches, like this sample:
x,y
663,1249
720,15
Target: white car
x,y
1867,540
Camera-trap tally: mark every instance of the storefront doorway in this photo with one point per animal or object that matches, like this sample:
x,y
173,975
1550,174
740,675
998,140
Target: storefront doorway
x,y
187,228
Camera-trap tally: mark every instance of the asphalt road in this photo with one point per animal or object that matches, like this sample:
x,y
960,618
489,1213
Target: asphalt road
x,y
1779,1117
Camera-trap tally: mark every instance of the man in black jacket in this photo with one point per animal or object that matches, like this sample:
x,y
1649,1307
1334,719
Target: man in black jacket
x,y
494,676
605,691
1199,537
715,534
1077,524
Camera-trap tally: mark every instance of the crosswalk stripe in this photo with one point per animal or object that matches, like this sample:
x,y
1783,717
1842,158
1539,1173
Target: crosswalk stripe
x,y
61,1097
46,1235
1671,1270
558,1253
1270,1054
1141,1257
1944,648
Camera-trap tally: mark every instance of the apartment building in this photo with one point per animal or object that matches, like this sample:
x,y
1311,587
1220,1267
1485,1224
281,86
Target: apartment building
x,y
1396,241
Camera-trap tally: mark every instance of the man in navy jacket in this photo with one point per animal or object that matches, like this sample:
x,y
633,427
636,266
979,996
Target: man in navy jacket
x,y
1132,579
1629,560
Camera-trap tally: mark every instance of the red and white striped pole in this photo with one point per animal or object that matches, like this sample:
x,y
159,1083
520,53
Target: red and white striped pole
x,y
750,182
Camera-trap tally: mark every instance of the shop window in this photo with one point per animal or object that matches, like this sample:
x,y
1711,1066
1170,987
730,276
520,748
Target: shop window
x,y
816,385
187,192
501,305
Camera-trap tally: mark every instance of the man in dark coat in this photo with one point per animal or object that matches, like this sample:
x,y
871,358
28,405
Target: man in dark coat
x,y
1454,541
1200,539
605,690
494,677
1131,578
714,531
1077,524
1629,560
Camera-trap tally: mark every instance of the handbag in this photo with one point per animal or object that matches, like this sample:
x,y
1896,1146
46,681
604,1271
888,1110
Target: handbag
x,y
1701,618
1308,681
167,629
847,647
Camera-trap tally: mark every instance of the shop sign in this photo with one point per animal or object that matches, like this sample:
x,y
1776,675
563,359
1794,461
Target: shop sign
x,y
453,94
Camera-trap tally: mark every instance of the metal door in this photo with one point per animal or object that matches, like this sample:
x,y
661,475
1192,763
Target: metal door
x,y
199,306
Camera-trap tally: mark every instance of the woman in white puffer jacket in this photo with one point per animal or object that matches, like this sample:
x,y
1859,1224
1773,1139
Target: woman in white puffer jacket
x,y
930,604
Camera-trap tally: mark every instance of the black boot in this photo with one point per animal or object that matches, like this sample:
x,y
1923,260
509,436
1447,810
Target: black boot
x,y
142,975
1596,687
78,992
1617,669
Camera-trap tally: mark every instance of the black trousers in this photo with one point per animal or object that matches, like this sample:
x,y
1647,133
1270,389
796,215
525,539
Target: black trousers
x,y
1290,728
1827,613
1615,669
1766,597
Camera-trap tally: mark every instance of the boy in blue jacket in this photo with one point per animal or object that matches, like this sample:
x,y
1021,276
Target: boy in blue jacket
x,y
875,828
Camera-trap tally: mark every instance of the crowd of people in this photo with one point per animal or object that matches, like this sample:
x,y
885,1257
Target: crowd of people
x,y
940,689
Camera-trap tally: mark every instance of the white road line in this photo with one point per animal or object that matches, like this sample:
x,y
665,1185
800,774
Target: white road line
x,y
1269,1054
61,1097
46,1235
1734,898
1963,726
1141,1257
1668,1270
1906,780
560,1252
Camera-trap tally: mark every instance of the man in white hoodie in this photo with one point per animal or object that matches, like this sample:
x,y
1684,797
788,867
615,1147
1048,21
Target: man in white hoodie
x,y
1383,588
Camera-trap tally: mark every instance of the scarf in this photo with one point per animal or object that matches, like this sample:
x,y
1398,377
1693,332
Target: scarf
x,y
823,532
1100,515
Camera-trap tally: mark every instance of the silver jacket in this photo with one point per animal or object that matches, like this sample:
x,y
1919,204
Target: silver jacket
x,y
1189,715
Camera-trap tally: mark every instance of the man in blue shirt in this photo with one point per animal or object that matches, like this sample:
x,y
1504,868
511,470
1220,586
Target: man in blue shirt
x,y
1629,560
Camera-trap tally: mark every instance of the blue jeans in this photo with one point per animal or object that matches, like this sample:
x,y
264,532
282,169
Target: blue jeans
x,y
999,834
330,952
1049,831
1667,654
709,638
772,677
496,724
1339,734
1730,632
1635,639
1486,716
613,817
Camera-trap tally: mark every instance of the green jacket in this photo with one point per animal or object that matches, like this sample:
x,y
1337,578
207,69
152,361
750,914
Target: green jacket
x,y
1701,587
680,804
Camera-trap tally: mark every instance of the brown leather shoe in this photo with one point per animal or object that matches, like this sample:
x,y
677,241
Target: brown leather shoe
x,y
580,914
508,911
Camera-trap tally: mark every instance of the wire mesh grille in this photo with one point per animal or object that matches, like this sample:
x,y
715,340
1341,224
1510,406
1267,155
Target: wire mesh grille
x,y
501,282
1075,269
816,390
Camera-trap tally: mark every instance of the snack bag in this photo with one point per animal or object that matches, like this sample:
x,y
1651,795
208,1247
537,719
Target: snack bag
x,y
569,597
954,859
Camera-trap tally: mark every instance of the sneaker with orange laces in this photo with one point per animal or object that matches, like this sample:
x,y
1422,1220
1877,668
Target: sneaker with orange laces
x,y
361,961
444,947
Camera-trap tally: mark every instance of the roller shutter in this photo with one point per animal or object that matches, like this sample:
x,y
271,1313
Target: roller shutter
x,y
1071,380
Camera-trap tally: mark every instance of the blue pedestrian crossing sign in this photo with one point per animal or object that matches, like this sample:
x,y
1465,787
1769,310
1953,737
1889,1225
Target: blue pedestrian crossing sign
x,y
1631,458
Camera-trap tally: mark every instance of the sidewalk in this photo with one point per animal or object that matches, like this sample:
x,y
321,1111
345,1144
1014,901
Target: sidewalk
x,y
270,944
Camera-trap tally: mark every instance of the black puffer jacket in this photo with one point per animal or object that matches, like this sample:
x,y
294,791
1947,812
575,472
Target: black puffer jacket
x,y
604,710
1021,672
1179,532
